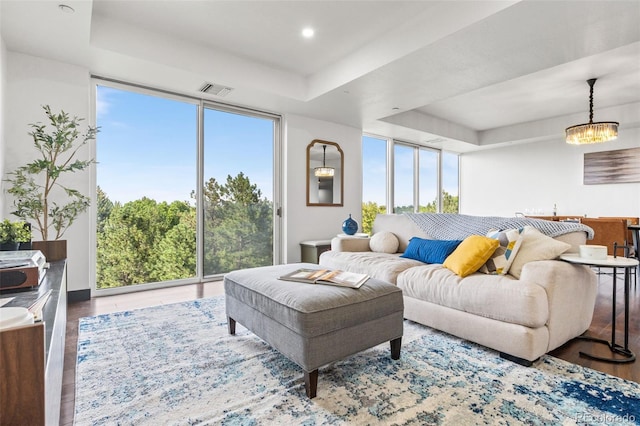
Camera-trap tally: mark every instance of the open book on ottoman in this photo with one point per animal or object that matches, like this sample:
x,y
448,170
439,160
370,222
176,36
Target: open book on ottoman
x,y
326,276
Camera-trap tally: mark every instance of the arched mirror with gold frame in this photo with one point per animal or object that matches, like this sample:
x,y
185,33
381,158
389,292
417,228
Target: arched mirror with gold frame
x,y
325,174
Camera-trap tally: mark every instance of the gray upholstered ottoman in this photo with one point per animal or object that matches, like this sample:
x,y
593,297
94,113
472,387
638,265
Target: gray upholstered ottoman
x,y
313,324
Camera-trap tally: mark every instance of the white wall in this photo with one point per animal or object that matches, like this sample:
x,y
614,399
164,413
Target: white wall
x,y
30,83
3,85
318,223
537,175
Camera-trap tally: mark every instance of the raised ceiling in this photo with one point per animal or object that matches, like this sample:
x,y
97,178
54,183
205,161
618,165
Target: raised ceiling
x,y
457,75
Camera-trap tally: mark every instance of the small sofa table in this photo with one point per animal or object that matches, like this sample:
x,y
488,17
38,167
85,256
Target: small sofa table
x,y
313,324
310,251
611,262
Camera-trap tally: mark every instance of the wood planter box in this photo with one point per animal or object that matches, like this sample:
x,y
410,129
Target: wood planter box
x,y
52,250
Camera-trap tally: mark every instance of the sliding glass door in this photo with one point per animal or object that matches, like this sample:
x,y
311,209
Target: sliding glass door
x,y
238,190
146,221
185,191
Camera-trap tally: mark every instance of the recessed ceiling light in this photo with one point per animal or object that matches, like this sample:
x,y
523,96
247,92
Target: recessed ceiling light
x,y
308,32
395,108
66,8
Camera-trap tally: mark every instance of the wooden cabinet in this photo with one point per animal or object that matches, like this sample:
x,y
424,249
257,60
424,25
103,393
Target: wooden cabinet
x,y
32,356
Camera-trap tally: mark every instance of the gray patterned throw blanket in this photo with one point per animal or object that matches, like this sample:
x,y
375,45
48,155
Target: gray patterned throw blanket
x,y
450,226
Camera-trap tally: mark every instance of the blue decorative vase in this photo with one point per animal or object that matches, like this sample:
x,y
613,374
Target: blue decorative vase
x,y
349,226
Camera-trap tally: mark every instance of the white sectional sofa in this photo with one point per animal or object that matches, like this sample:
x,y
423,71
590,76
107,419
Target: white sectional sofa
x,y
523,318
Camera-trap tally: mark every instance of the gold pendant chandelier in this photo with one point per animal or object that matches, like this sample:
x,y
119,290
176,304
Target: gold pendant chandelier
x,y
591,132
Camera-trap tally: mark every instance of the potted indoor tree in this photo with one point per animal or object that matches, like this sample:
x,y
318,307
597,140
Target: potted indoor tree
x,y
12,234
39,194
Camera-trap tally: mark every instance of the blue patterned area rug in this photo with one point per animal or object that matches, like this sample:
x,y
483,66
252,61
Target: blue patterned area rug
x,y
176,364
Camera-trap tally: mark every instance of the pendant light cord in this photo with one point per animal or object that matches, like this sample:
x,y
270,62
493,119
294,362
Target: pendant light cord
x,y
591,82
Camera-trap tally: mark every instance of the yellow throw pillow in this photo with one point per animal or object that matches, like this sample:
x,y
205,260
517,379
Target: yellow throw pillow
x,y
471,254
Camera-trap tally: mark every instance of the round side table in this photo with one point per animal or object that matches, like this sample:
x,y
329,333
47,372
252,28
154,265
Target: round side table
x,y
611,262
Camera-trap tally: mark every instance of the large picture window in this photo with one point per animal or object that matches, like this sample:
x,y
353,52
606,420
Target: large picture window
x,y
178,198
409,177
374,179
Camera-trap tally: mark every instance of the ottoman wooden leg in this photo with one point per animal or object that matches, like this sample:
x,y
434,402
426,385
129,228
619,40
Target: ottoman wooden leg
x,y
231,325
395,348
311,383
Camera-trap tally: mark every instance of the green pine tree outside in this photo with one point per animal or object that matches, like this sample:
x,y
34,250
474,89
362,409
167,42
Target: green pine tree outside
x,y
370,209
145,241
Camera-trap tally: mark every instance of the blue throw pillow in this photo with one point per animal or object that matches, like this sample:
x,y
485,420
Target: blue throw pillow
x,y
430,251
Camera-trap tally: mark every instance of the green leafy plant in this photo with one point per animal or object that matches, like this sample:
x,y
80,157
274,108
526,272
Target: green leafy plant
x,y
33,184
14,232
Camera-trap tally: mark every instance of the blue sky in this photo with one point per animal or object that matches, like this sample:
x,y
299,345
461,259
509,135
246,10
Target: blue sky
x,y
147,147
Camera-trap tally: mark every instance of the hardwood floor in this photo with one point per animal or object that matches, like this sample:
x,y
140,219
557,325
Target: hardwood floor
x,y
600,327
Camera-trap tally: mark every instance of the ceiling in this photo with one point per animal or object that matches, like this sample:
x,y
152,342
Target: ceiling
x,y
460,75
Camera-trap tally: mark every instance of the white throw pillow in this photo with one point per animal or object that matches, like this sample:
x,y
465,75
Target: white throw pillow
x,y
501,260
384,242
536,246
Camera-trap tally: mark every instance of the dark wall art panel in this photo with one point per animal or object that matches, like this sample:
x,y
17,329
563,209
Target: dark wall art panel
x,y
619,166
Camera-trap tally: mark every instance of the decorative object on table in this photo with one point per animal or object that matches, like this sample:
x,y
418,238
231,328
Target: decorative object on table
x,y
349,226
593,252
325,183
12,234
440,377
21,269
588,133
36,188
617,166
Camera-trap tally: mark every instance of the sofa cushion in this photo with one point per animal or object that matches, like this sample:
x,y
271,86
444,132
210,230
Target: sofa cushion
x,y
471,254
403,227
500,297
536,246
430,251
501,260
383,266
384,242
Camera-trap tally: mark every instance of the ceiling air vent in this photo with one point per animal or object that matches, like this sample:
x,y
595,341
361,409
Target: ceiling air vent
x,y
215,89
436,140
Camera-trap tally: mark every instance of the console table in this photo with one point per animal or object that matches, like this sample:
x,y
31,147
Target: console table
x,y
611,262
32,356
